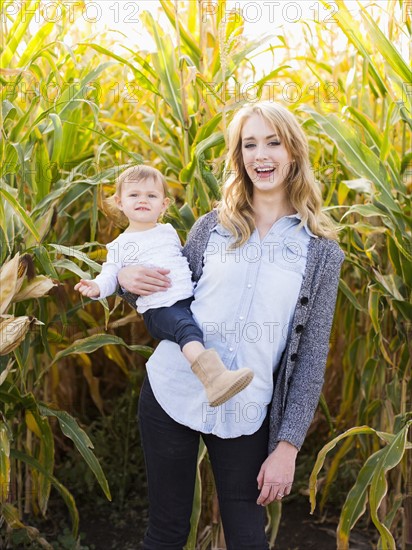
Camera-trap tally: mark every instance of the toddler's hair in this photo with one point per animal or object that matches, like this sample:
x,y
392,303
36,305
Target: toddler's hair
x,y
133,173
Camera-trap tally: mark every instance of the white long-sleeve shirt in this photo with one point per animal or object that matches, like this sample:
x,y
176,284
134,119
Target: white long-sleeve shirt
x,y
157,247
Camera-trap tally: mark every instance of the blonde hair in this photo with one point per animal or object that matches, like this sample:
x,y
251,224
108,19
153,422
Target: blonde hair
x,y
235,210
133,173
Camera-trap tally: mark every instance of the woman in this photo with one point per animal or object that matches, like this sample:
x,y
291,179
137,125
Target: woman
x,y
267,266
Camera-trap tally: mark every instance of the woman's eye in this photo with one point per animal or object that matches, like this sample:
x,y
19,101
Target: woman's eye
x,y
249,145
274,143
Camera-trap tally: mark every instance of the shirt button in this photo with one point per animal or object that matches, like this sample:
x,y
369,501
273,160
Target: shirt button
x,y
294,356
299,328
249,285
304,300
230,349
241,318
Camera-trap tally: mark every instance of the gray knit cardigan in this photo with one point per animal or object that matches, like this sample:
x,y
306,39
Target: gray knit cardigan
x,y
298,380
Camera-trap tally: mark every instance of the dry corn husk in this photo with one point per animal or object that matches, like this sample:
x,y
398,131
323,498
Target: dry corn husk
x,y
37,287
13,331
8,282
12,279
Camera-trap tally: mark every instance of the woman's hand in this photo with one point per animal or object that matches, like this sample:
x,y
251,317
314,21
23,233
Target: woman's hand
x,y
276,474
143,280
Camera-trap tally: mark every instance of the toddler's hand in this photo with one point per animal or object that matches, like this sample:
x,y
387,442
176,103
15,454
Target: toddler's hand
x,y
88,288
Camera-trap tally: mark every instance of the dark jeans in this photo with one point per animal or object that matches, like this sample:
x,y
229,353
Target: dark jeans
x,y
170,451
173,323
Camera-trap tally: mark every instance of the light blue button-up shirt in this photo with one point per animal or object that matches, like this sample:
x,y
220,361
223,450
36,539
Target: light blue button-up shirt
x,y
244,303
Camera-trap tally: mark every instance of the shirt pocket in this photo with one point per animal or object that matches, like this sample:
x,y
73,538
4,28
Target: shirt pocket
x,y
288,254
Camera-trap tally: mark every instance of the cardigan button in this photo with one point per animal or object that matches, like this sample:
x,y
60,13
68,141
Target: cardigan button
x,y
299,328
294,356
304,300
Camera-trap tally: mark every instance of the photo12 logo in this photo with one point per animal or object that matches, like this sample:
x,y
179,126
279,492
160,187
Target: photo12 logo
x,y
247,412
71,11
268,11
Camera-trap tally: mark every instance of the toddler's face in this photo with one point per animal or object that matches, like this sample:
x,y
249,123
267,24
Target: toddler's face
x,y
142,202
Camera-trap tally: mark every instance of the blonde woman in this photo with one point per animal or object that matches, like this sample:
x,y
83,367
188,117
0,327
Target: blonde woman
x,y
266,265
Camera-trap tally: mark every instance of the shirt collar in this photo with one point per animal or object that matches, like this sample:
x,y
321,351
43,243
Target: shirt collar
x,y
305,225
226,233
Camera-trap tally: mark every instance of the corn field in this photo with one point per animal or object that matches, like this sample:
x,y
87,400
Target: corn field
x,y
78,106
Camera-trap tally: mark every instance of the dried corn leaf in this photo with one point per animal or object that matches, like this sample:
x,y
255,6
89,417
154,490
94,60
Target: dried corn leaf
x,y
36,288
8,281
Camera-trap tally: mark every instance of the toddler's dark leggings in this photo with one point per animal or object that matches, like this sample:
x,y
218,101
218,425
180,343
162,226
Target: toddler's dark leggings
x,y
173,323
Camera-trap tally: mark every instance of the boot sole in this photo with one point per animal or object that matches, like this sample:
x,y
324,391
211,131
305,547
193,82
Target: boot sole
x,y
233,390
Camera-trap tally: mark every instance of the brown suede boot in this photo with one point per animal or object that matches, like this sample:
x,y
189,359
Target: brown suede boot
x,y
220,383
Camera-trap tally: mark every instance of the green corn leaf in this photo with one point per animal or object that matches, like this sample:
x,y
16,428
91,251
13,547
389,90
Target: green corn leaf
x,y
386,48
36,42
187,216
65,494
197,500
373,307
21,213
117,145
4,462
386,143
41,428
58,138
71,266
357,430
207,129
92,343
140,77
165,65
352,30
185,36
405,309
350,295
41,161
71,429
356,500
366,210
360,158
389,284
75,253
17,31
332,471
75,92
9,161
387,461
8,110
368,125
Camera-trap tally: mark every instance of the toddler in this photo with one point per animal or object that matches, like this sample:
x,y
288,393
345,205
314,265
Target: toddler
x,y
141,195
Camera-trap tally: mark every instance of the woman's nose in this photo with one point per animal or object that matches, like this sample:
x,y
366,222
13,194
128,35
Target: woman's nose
x,y
261,152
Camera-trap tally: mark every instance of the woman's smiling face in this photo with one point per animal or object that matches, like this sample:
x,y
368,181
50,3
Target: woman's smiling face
x,y
266,160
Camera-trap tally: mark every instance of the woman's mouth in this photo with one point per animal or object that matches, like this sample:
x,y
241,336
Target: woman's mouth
x,y
265,171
